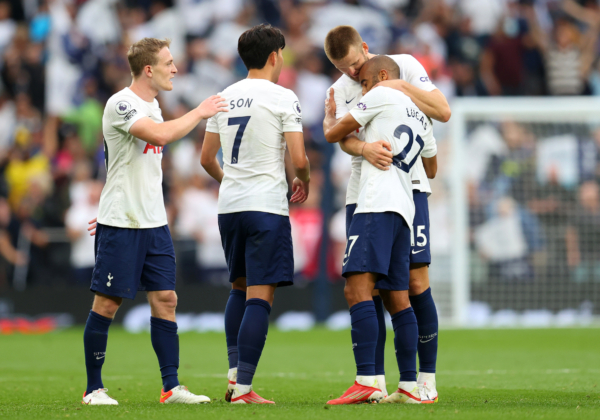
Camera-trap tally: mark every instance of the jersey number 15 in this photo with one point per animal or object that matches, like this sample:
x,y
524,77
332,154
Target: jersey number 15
x,y
242,122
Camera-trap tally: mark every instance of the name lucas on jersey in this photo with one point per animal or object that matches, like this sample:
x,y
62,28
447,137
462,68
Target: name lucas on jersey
x,y
418,115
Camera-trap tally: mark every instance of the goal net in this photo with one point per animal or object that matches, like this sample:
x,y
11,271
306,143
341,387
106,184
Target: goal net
x,y
515,213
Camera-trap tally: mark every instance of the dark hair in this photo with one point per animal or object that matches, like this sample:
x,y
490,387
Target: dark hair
x,y
257,43
339,40
382,62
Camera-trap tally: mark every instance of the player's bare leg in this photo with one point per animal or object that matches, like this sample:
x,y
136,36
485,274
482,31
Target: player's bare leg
x,y
95,337
163,333
251,341
358,293
427,320
397,303
234,313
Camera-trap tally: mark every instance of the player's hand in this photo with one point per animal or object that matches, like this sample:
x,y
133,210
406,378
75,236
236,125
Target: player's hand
x,y
92,228
330,104
300,190
210,106
379,154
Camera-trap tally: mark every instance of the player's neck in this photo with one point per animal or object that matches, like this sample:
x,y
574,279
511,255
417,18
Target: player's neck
x,y
265,73
143,90
369,55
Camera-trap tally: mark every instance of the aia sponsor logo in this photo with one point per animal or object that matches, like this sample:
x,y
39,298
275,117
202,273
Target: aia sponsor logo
x,y
155,149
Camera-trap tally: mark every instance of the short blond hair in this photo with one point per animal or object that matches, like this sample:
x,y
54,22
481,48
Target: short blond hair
x,y
339,40
145,53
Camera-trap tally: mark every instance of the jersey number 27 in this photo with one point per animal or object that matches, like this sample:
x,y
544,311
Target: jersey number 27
x,y
242,122
400,159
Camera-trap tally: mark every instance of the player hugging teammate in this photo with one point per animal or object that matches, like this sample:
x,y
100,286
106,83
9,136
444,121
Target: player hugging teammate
x,y
253,121
394,132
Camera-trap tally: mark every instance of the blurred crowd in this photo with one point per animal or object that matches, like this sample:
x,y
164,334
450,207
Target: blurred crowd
x,y
534,202
60,60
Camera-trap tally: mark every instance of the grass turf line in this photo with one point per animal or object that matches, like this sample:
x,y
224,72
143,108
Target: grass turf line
x,y
482,374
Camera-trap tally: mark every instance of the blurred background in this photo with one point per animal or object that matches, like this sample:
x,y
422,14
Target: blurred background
x,y
515,210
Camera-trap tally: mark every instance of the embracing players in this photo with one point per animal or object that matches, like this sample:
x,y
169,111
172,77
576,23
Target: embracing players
x,y
379,238
134,249
347,51
253,209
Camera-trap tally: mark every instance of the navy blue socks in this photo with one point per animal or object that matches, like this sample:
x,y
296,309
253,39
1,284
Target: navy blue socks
x,y
364,336
405,340
380,349
95,337
165,341
234,313
251,338
427,320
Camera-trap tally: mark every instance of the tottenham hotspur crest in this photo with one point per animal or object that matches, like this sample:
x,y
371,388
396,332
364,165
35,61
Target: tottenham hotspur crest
x,y
110,277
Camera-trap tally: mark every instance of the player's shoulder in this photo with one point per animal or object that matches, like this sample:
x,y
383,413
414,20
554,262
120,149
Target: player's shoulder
x,y
281,91
379,95
344,84
403,59
122,102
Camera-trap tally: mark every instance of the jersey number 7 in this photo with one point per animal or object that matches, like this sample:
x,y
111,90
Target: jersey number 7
x,y
400,159
242,122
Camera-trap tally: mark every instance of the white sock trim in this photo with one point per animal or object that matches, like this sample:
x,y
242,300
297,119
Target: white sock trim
x,y
366,380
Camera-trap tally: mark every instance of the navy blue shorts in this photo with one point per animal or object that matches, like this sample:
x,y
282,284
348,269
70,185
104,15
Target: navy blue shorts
x,y
420,253
128,260
379,243
258,246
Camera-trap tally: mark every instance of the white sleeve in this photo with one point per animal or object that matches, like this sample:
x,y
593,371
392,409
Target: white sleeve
x,y
290,112
415,74
123,112
430,148
212,125
341,108
370,106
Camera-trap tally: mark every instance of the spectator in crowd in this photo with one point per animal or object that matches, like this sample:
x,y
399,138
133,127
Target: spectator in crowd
x,y
583,235
569,53
76,223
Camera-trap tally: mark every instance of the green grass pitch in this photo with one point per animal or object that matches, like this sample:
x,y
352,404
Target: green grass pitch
x,y
482,374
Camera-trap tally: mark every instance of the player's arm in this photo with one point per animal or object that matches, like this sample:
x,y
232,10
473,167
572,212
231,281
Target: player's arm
x,y
430,165
429,154
300,185
161,134
378,154
208,156
433,104
336,131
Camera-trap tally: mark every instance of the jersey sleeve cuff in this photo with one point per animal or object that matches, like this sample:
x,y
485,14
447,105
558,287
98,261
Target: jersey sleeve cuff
x,y
293,129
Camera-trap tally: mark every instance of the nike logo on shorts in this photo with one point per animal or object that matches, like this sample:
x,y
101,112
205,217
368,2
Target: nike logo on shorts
x,y
417,251
347,102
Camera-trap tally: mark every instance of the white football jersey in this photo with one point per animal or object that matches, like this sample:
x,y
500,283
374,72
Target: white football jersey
x,y
253,145
388,114
132,196
348,93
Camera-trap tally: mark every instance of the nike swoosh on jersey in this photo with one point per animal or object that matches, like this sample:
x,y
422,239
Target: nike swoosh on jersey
x,y
347,102
417,251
